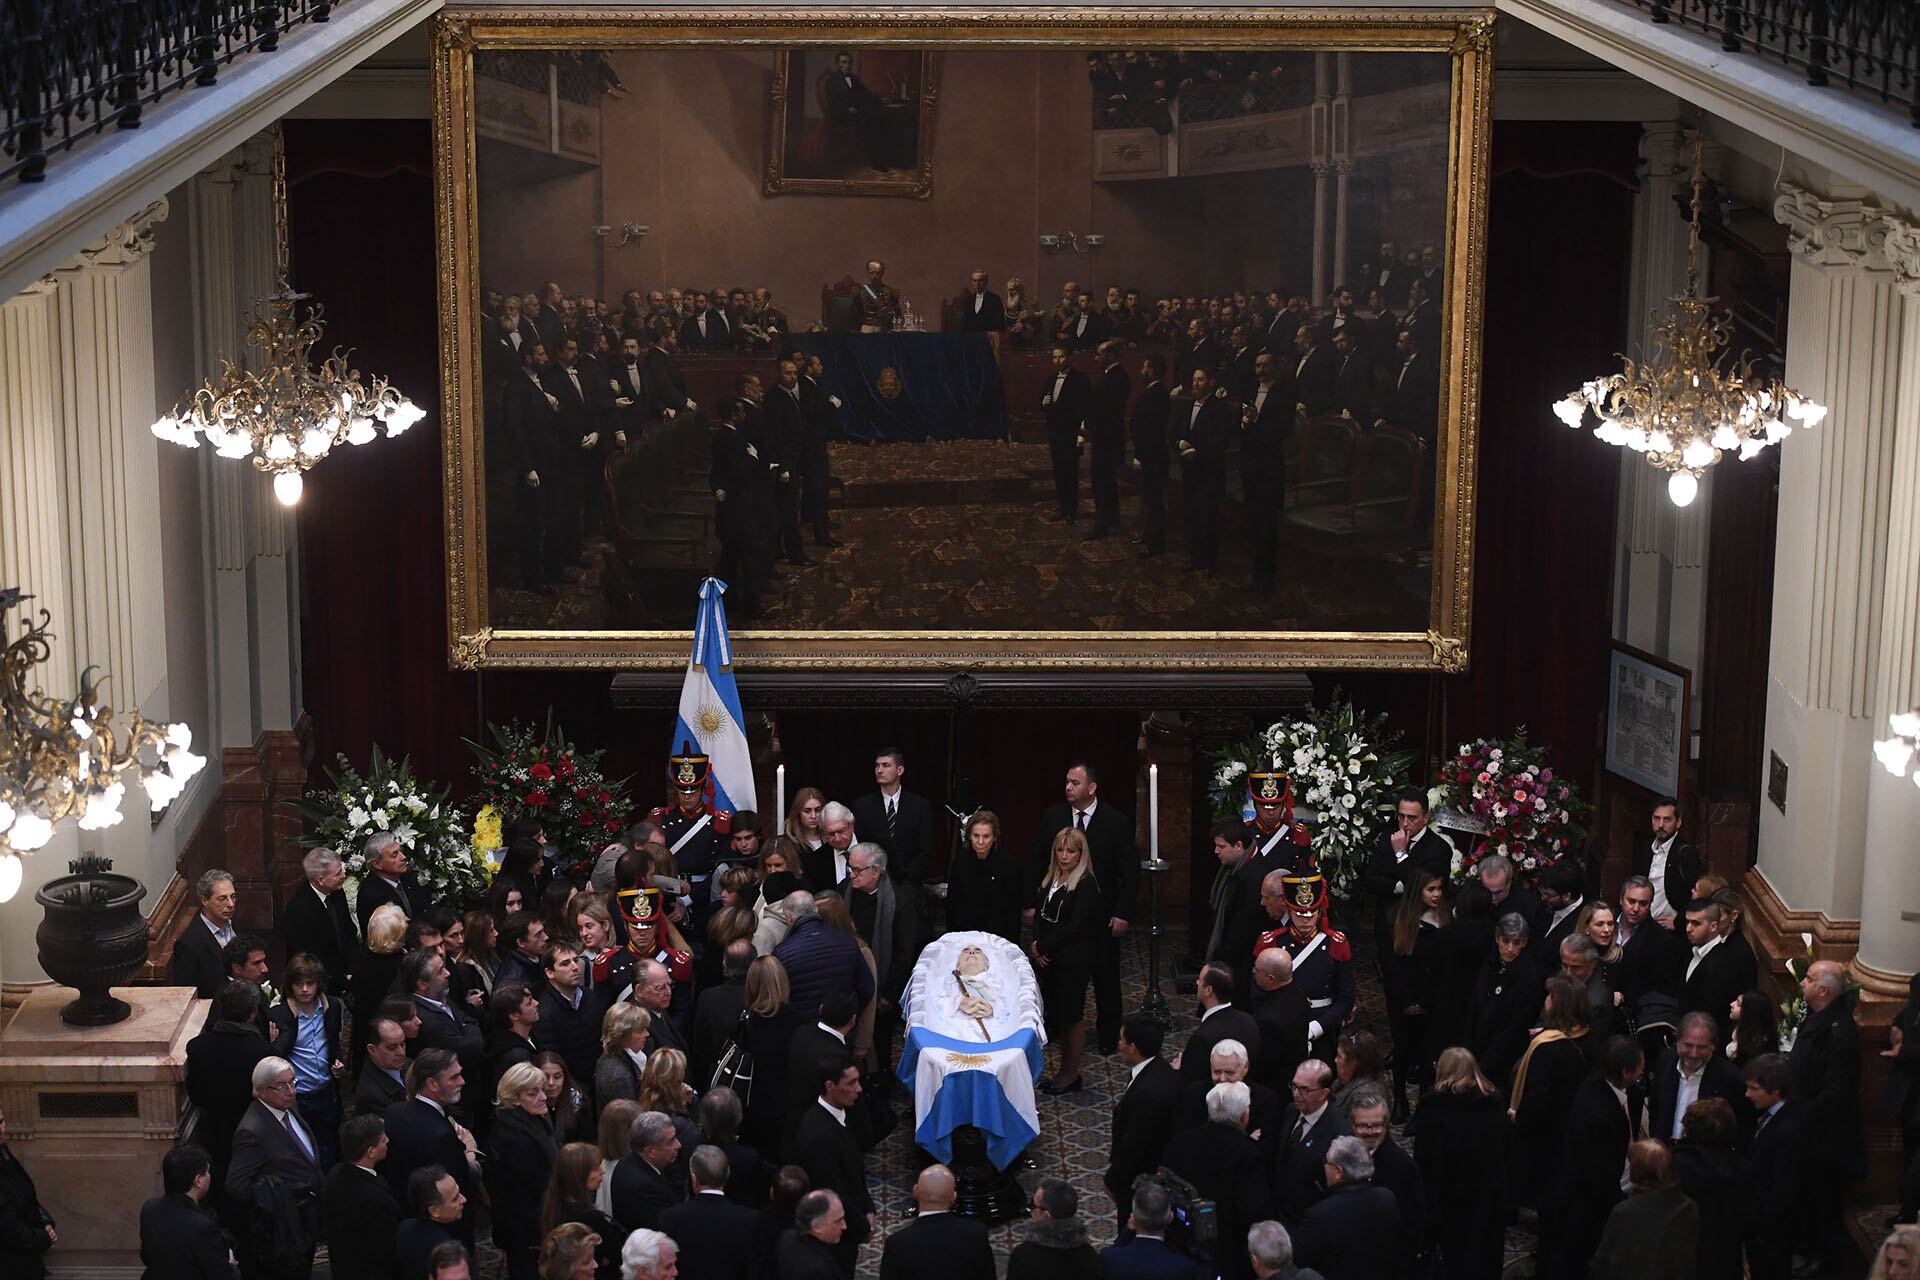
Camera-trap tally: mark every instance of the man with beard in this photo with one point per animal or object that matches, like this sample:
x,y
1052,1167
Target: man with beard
x,y
879,301
627,381
1203,428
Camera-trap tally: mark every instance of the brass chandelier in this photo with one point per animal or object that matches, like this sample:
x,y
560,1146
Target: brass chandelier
x,y
1690,402
66,758
289,414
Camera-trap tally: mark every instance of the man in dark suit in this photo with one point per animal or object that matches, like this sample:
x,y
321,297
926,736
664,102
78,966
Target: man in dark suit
x,y
1352,375
388,881
358,1210
180,1239
1412,403
897,820
1106,432
220,1063
582,399
316,920
1369,1114
1691,1072
1652,964
1148,429
733,477
1144,1255
1718,970
1205,426
938,1244
811,1248
544,478
1408,844
1510,896
830,1152
1309,1124
1506,999
706,329
422,1131
1065,403
1671,865
981,310
1279,1007
1825,1068
643,1184
570,1014
716,1013
197,953
783,447
1087,327
443,1024
1561,896
1238,374
1266,421
1116,865
1225,1165
1219,1020
810,1047
1143,1117
816,459
383,1076
627,389
1198,349
1354,1230
274,1142
666,387
1778,1177
1600,1126
1228,1064
714,1236
440,1220
1313,371
1422,320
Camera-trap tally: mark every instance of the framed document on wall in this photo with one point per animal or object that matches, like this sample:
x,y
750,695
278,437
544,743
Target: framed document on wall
x,y
1646,719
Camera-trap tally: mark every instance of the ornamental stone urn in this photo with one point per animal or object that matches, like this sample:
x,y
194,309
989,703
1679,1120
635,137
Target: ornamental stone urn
x,y
93,937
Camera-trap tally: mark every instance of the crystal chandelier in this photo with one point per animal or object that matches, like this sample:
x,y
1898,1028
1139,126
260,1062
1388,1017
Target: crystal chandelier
x,y
62,758
1897,752
1690,402
288,415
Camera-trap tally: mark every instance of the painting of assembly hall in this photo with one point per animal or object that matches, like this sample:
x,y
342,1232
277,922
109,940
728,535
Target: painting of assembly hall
x,y
1036,340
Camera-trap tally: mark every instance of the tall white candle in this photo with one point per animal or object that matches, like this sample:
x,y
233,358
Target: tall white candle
x,y
779,796
1153,812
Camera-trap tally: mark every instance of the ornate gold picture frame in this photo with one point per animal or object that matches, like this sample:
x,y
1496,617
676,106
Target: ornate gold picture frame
x,y
833,134
484,634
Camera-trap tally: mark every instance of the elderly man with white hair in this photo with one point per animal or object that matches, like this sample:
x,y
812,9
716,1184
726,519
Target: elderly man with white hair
x,y
1226,1166
274,1142
819,959
1228,1065
1825,1065
388,879
649,1255
825,867
1271,1250
316,920
1351,1233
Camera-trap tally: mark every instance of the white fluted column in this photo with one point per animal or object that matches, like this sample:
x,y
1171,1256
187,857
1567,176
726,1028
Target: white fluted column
x,y
1845,344
1890,880
32,466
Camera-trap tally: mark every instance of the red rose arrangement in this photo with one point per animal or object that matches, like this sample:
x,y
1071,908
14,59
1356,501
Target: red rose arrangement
x,y
542,775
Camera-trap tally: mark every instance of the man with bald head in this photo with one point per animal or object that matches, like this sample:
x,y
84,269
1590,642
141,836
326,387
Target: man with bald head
x,y
1278,1006
938,1244
1825,1066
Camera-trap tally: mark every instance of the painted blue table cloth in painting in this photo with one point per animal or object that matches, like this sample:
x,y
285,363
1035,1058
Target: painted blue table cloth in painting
x,y
913,386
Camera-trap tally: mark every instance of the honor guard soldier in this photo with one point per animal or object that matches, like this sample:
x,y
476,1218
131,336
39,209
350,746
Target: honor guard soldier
x,y
697,833
651,936
1273,837
1322,961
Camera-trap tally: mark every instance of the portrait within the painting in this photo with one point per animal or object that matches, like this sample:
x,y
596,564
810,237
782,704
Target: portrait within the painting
x,y
1161,347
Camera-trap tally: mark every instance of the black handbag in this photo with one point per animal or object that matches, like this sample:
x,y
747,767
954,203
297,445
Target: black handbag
x,y
734,1070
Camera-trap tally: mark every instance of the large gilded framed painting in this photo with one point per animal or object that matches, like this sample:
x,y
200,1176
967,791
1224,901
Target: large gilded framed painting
x,y
1170,364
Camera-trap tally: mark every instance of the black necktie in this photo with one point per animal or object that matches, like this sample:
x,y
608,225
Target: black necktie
x,y
1299,1132
1079,819
893,810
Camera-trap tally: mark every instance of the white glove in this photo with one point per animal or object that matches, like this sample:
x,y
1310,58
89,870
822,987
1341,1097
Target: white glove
x,y
553,402
753,452
623,402
1045,401
589,440
1134,463
533,479
691,406
1079,442
1183,446
719,495
784,477
1398,888
834,401
1315,1030
620,437
666,415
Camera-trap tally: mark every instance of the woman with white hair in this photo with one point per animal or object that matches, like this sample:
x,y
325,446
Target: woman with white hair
x,y
520,1155
648,1255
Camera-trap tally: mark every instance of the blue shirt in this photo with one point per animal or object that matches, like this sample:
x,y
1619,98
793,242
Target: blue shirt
x,y
312,1066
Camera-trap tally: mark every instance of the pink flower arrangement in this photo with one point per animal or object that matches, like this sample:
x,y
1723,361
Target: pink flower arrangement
x,y
1529,815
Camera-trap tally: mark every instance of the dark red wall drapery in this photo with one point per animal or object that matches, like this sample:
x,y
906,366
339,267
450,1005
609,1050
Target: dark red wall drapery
x,y
371,527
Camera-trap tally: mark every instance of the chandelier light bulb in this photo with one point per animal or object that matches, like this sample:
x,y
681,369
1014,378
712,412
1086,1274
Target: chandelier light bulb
x,y
11,871
1682,488
1699,453
30,831
1572,410
288,486
1905,724
1895,754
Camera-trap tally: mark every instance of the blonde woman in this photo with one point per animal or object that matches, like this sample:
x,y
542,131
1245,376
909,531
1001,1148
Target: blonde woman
x,y
623,1053
379,966
1899,1256
1461,1137
803,819
663,1088
520,1157
1066,929
616,1141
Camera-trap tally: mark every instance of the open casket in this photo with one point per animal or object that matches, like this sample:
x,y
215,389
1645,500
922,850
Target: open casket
x,y
975,1044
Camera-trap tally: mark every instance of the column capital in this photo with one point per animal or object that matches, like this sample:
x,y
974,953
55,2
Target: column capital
x,y
1900,244
1840,233
126,244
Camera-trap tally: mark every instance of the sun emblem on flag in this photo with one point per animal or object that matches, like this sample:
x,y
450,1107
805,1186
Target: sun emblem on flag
x,y
969,1061
713,720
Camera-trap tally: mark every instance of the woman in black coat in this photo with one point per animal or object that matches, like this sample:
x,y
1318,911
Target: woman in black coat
x,y
1462,1141
26,1229
1716,1178
983,885
771,1025
1410,968
577,1173
1544,1084
1462,943
520,1157
1066,928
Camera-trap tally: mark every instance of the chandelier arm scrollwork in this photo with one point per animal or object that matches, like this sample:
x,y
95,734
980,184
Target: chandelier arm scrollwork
x,y
289,414
69,758
1691,401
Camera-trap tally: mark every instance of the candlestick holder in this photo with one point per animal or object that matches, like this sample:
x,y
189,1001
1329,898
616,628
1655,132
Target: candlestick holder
x,y
1155,1005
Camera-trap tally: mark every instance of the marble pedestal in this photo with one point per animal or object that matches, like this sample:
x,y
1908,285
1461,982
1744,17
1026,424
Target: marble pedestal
x,y
90,1112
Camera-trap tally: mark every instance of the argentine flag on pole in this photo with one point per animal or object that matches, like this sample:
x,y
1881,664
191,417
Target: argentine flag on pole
x,y
710,706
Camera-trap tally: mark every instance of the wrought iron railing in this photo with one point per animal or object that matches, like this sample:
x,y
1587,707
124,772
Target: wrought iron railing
x,y
72,68
1869,46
